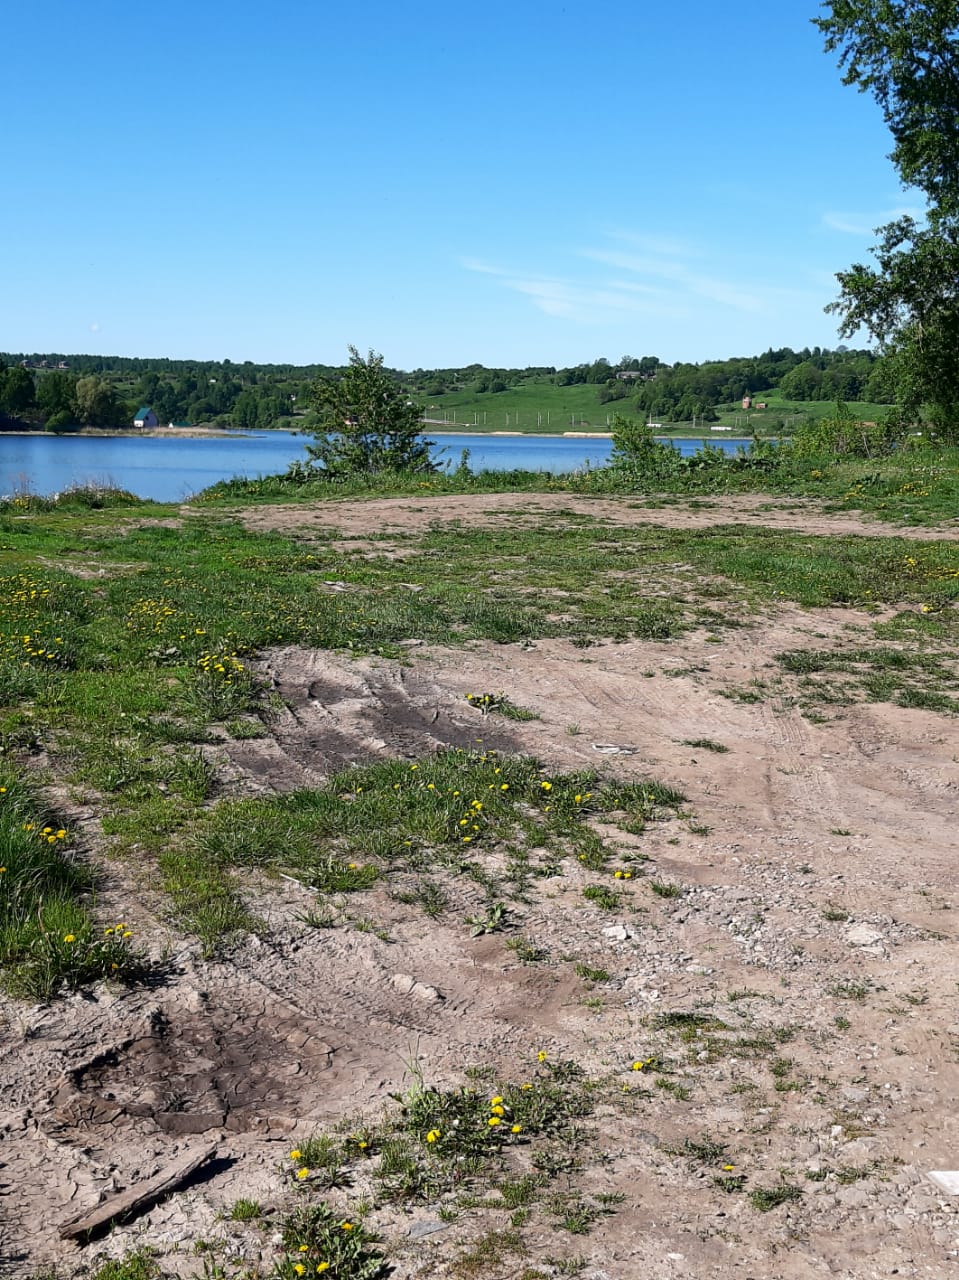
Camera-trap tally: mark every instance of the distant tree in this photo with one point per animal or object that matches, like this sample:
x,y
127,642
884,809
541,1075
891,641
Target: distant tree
x,y
367,423
55,394
17,393
96,403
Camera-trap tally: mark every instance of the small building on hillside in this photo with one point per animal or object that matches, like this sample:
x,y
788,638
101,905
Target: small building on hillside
x,y
747,401
145,418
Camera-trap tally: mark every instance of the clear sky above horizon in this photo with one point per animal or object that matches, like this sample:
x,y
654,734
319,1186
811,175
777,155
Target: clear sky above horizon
x,y
515,184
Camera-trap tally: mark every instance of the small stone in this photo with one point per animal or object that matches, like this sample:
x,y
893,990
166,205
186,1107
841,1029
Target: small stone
x,y
616,933
425,1227
861,935
422,991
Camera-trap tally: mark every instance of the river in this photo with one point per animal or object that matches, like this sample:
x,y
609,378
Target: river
x,y
171,469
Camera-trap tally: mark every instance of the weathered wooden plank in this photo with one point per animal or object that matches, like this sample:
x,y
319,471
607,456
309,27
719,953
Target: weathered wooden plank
x,y
140,1197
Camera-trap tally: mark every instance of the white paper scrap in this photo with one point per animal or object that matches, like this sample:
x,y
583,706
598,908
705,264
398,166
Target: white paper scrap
x,y
947,1179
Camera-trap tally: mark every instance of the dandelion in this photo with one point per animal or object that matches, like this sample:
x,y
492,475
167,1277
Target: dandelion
x,y
322,1266
495,1102
493,1121
638,1066
303,1248
547,786
299,1268
346,1226
498,1111
302,1173
541,1056
516,1128
526,1086
504,786
69,937
434,1135
728,1168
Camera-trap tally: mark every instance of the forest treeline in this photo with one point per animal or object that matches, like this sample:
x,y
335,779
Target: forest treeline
x,y
63,392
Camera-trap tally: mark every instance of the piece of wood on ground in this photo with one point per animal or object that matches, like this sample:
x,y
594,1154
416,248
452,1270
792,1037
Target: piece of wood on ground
x,y
140,1197
946,1179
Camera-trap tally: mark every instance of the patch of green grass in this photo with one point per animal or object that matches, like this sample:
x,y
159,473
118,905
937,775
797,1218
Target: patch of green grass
x,y
139,1265
706,744
604,898
314,1235
243,1210
662,889
910,678
48,937
767,1198
499,704
589,974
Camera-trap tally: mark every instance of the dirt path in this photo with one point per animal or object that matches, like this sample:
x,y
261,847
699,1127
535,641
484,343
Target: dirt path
x,y
356,518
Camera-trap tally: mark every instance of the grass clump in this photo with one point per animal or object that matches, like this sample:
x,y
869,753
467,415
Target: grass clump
x,y
767,1198
499,704
319,1241
48,938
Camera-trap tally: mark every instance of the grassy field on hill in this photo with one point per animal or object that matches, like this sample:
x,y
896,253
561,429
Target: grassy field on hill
x,y
541,407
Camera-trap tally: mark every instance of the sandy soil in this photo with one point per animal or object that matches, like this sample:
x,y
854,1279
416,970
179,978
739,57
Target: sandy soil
x,y
853,817
405,515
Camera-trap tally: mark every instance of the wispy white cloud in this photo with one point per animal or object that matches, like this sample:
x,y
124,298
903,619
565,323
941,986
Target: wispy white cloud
x,y
668,246
587,302
726,292
865,224
660,277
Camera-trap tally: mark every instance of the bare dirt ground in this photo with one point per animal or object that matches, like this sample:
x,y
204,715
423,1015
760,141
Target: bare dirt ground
x,y
405,515
818,912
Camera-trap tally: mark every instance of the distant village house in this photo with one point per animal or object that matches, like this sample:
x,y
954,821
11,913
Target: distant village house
x,y
145,418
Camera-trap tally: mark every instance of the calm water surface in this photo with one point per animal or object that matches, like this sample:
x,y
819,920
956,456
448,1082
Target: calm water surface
x,y
169,470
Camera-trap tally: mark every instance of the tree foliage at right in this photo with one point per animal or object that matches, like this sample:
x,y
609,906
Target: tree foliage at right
x,y
905,53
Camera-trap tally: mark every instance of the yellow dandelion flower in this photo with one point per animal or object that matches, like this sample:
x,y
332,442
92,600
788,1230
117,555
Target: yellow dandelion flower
x,y
302,1173
547,786
493,1121
541,1056
498,1111
299,1268
638,1066
322,1266
433,1136
346,1226
728,1168
516,1128
494,1102
303,1248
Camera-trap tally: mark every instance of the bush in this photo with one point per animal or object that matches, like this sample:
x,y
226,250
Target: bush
x,y
844,436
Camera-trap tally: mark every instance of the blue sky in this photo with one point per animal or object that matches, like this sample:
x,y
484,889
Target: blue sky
x,y
511,183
